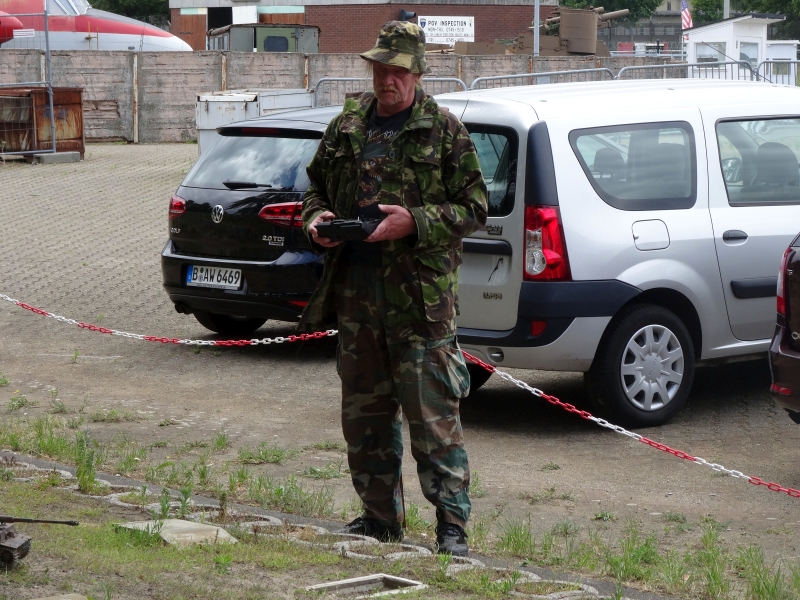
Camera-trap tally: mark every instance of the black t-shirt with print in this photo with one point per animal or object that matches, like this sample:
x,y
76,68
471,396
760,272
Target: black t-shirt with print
x,y
380,133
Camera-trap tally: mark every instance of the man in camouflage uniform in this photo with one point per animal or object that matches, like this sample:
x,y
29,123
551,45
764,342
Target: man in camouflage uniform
x,y
394,153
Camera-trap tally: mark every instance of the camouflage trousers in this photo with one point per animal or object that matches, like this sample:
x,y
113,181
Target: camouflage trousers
x,y
384,378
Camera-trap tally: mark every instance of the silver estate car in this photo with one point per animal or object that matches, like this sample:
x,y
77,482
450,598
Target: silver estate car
x,y
635,229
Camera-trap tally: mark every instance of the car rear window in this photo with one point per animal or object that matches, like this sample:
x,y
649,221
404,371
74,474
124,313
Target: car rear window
x,y
278,162
497,155
759,161
646,166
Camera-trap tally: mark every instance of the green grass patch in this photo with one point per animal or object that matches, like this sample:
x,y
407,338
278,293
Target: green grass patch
x,y
266,453
333,470
329,445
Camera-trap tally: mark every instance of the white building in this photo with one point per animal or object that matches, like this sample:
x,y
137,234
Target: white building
x,y
741,38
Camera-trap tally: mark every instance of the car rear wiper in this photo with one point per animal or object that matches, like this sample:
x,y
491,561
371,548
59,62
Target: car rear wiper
x,y
240,185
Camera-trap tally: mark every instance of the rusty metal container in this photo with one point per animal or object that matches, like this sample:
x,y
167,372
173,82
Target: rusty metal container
x,y
25,120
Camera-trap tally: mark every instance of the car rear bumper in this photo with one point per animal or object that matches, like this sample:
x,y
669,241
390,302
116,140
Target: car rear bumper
x,y
270,290
573,350
785,367
574,314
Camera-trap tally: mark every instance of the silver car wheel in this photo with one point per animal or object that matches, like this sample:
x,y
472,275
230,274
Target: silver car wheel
x,y
652,367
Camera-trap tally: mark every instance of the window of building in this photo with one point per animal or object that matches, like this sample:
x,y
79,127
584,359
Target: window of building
x,y
710,51
759,161
648,166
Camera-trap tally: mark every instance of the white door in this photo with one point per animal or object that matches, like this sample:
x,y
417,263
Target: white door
x,y
754,200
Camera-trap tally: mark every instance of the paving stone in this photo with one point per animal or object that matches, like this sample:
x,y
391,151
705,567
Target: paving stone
x,y
56,159
184,533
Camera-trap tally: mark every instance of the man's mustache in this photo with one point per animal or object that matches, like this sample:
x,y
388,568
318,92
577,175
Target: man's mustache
x,y
387,88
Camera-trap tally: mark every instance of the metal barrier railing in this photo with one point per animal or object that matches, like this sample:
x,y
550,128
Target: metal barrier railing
x,y
782,72
732,70
331,91
541,78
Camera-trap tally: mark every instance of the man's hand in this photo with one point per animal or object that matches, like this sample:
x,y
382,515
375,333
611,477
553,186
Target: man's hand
x,y
397,224
324,242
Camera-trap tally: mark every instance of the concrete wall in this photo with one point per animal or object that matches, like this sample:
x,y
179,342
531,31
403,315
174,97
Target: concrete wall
x,y
150,96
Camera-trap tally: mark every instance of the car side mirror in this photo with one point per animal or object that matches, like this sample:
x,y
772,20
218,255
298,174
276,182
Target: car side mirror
x,y
732,170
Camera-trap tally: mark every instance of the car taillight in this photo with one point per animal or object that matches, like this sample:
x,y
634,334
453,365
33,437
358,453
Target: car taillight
x,y
177,206
287,214
782,283
779,389
545,248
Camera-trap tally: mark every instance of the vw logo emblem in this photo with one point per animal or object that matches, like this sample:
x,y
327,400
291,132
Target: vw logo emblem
x,y
217,213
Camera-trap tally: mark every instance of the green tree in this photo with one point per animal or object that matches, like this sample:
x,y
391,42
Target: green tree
x,y
640,9
133,8
706,11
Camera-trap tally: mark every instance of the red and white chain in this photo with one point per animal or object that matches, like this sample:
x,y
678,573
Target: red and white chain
x,y
503,375
164,340
639,438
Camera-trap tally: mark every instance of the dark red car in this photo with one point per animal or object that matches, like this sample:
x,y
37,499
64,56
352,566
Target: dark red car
x,y
784,352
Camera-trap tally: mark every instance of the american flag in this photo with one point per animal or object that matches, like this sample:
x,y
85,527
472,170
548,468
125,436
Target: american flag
x,y
686,16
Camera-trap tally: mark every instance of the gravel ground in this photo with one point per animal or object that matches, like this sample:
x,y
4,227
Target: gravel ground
x,y
83,240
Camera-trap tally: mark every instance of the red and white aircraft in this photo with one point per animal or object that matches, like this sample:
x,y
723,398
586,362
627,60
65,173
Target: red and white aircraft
x,y
75,25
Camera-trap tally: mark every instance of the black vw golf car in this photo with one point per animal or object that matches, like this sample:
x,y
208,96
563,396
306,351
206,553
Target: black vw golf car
x,y
236,254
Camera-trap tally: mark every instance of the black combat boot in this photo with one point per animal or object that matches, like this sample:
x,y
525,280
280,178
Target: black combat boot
x,y
450,538
374,529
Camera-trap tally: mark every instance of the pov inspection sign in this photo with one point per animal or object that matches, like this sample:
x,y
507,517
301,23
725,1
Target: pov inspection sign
x,y
448,30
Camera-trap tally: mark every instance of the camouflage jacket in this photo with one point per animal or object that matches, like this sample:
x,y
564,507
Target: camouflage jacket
x,y
432,170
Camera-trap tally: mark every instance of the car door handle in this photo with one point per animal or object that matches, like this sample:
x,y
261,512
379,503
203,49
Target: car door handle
x,y
494,247
734,235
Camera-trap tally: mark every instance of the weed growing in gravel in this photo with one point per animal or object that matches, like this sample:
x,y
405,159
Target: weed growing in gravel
x,y
75,422
415,523
222,563
57,407
551,466
291,497
604,516
221,442
329,445
19,401
516,539
131,458
332,470
476,487
85,461
266,454
548,495
112,415
185,498
4,380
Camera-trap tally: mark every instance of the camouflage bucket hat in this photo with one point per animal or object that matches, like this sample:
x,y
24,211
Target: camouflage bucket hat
x,y
400,44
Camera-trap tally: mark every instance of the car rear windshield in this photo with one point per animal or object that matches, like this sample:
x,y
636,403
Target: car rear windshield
x,y
497,155
273,162
759,160
646,166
